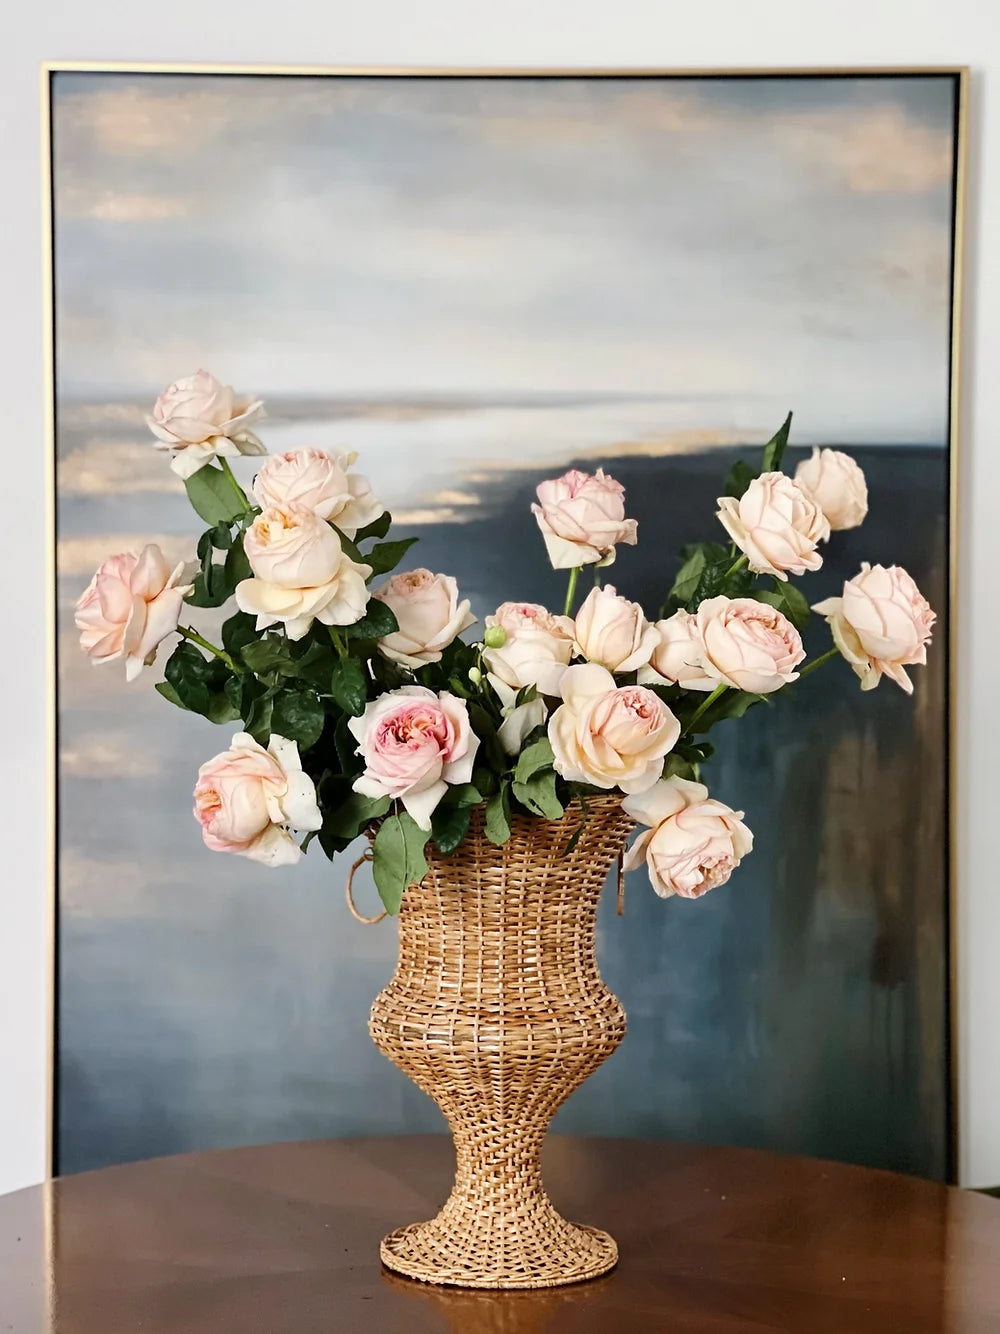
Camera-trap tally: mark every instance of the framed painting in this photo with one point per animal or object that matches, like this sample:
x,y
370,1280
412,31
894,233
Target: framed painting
x,y
477,280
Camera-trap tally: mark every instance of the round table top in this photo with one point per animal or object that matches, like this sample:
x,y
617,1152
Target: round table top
x,y
285,1238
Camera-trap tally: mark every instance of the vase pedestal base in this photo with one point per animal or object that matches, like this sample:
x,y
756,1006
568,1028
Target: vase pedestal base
x,y
534,1250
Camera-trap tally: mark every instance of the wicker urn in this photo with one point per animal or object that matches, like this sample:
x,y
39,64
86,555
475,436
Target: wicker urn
x,y
498,1012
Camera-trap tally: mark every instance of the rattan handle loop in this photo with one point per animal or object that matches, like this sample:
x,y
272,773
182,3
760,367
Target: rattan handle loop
x,y
349,893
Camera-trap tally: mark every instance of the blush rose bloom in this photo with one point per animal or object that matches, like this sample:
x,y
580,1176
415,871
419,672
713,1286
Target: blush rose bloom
x,y
614,632
130,605
582,518
747,644
414,743
301,573
607,735
536,651
198,418
776,526
692,844
245,798
429,613
881,624
678,656
837,484
321,482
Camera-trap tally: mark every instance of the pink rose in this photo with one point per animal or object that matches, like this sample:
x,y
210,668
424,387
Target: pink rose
x,y
747,644
301,573
692,844
536,650
837,485
582,518
607,735
881,624
776,525
314,480
130,605
612,631
429,613
198,418
246,797
677,655
414,743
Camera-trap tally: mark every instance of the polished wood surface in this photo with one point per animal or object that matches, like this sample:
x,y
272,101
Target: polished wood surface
x,y
285,1238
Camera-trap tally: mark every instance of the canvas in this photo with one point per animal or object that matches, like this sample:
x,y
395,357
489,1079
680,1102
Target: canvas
x,y
477,282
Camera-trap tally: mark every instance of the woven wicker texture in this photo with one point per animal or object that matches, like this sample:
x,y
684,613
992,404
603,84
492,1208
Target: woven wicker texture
x,y
497,1010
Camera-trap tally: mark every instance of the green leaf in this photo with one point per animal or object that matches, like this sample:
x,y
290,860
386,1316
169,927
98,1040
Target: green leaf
x,y
315,664
377,528
788,600
739,477
168,692
221,536
538,795
349,686
538,755
238,631
346,745
398,859
775,447
688,577
449,825
220,708
298,715
267,655
377,622
733,704
462,794
387,555
498,815
237,566
349,548
213,496
354,814
257,719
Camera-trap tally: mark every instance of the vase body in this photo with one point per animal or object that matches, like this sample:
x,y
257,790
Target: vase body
x,y
498,1012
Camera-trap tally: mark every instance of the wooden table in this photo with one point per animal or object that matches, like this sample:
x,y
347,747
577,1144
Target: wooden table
x,y
285,1239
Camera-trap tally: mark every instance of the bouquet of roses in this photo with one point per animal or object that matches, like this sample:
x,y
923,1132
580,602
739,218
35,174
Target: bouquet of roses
x,y
363,707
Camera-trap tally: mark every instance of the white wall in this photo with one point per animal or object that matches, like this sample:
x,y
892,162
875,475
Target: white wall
x,y
605,33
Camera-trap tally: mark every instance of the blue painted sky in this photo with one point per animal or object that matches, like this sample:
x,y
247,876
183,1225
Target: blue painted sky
x,y
732,248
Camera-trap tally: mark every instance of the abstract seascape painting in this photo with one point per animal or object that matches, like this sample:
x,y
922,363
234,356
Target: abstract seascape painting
x,y
477,282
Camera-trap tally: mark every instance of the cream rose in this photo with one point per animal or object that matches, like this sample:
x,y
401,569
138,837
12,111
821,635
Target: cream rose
x,y
198,417
414,743
130,605
323,483
881,624
429,614
518,719
246,798
582,518
536,650
612,631
776,525
748,645
677,656
301,573
607,735
837,485
692,845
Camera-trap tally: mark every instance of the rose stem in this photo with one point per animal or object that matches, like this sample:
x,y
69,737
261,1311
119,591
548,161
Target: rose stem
x,y
818,662
574,575
597,576
186,632
736,565
705,705
224,463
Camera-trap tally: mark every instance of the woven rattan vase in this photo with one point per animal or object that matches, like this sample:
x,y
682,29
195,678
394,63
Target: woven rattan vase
x,y
497,1010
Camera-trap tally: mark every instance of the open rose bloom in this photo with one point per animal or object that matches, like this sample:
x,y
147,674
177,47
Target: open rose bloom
x,y
199,419
374,696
